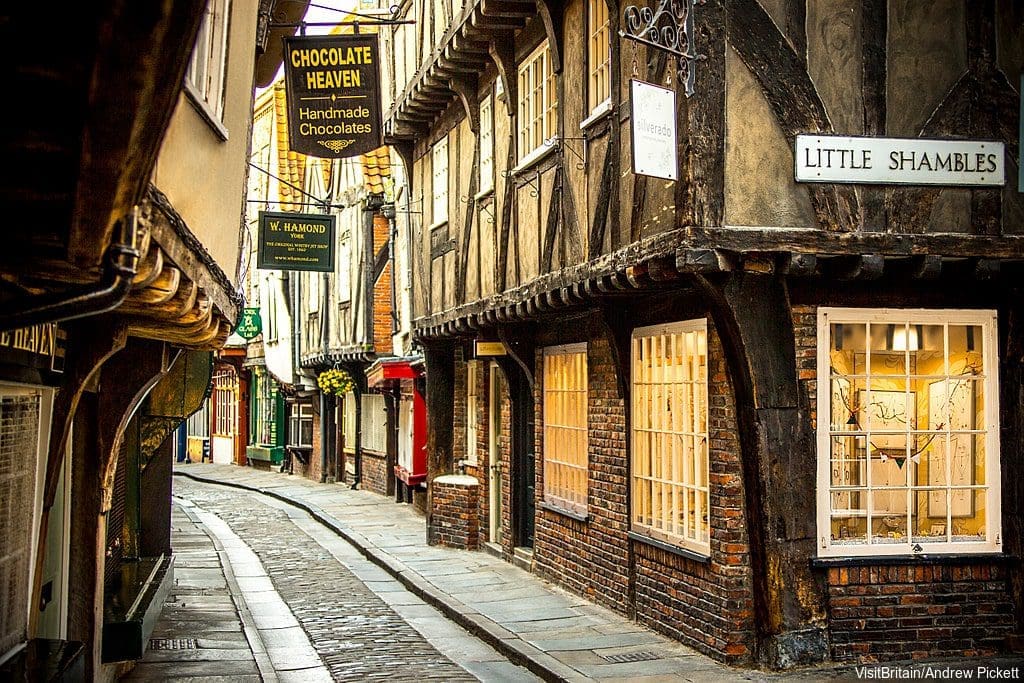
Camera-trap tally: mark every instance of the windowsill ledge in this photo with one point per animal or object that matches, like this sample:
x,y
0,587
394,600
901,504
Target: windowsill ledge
x,y
571,514
483,194
546,149
600,111
919,559
439,224
669,548
203,109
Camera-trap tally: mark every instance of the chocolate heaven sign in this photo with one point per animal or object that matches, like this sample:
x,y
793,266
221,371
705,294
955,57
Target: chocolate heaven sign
x,y
332,85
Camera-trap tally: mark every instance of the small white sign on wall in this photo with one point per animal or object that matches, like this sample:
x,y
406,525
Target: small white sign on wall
x,y
653,126
899,161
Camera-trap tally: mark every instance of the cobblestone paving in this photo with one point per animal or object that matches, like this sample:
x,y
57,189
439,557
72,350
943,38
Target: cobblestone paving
x,y
355,633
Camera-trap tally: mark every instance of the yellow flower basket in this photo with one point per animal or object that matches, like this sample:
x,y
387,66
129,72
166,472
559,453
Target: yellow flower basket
x,y
335,382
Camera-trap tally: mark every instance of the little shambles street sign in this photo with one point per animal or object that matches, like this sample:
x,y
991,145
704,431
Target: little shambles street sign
x,y
332,84
295,241
899,161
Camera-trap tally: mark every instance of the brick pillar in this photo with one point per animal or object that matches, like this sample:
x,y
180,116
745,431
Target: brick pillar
x,y
456,512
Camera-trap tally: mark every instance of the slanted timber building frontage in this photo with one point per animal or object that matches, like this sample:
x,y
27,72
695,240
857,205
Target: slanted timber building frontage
x,y
779,421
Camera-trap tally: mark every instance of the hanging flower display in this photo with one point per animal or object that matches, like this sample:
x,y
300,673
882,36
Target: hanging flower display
x,y
335,381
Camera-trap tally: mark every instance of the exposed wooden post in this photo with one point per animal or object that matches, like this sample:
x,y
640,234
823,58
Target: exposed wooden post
x,y
439,357
753,316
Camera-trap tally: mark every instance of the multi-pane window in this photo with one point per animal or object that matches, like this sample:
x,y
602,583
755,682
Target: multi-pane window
x,y
907,431
472,375
565,427
225,400
538,101
300,425
598,54
439,159
264,408
207,69
487,144
670,433
374,422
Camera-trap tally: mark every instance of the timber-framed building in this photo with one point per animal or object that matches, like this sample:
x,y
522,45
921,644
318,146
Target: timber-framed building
x,y
778,421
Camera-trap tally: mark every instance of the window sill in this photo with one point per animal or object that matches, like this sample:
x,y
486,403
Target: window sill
x,y
920,559
483,194
600,111
439,224
669,548
203,109
546,148
557,509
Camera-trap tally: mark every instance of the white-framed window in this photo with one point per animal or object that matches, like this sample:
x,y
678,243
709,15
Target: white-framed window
x,y
439,166
670,434
207,70
908,432
271,322
374,423
538,101
599,55
565,427
487,144
225,396
300,425
472,376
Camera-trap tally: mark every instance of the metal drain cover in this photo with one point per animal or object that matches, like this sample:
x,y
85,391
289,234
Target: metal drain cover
x,y
629,657
173,644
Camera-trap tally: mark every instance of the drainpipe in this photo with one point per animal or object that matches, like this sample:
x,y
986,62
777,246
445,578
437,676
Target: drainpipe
x,y
324,398
120,268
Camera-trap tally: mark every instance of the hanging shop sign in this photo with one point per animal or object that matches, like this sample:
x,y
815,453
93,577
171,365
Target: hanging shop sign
x,y
653,126
332,86
41,347
899,161
488,349
295,241
250,324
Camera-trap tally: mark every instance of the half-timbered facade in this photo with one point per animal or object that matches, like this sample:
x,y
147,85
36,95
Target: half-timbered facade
x,y
776,420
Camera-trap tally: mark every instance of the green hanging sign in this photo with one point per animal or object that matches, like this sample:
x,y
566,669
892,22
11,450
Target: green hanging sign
x,y
250,325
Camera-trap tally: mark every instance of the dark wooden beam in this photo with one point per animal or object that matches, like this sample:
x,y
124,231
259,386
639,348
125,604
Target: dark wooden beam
x,y
790,92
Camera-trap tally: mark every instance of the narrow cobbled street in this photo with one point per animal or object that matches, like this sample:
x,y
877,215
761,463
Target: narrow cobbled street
x,y
338,616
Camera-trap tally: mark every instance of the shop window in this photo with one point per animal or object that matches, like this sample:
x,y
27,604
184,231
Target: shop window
x,y
374,423
472,375
598,55
300,425
207,69
264,410
439,162
565,427
907,431
538,103
670,434
225,402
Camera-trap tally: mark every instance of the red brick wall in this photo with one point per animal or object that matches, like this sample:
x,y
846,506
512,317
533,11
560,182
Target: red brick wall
x,y
707,605
456,523
381,291
879,612
374,473
883,613
589,557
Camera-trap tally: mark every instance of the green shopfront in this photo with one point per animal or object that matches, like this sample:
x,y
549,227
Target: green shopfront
x,y
266,436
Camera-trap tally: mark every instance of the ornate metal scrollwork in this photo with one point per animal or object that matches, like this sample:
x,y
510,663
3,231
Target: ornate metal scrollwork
x,y
669,28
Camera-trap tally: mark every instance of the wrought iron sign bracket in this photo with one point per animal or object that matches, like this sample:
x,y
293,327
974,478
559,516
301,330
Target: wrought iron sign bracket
x,y
669,28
